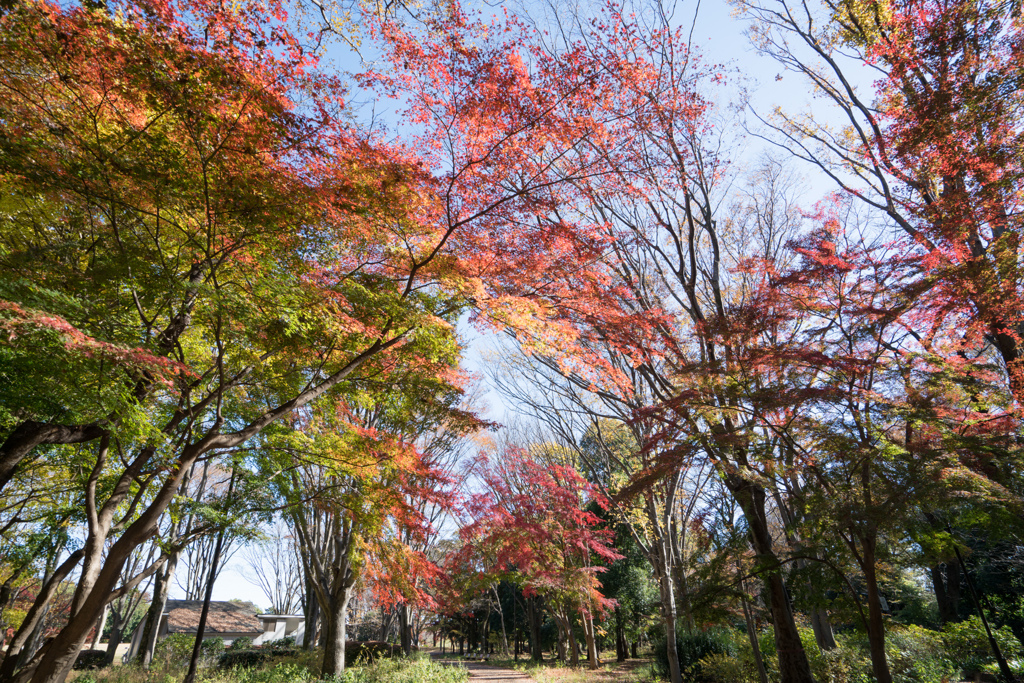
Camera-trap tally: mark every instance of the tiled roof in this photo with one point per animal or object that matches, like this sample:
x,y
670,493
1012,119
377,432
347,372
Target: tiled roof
x,y
224,617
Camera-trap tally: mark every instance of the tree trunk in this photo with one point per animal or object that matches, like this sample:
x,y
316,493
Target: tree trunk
x,y
151,630
668,618
334,606
501,617
100,623
620,636
1004,667
793,664
116,633
755,646
533,613
822,625
560,646
311,613
405,628
946,584
588,631
197,647
875,626
336,636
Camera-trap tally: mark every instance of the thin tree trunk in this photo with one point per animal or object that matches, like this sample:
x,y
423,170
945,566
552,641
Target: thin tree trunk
x,y
151,630
876,626
561,640
793,664
620,636
100,624
116,633
501,617
755,646
588,631
1004,667
668,618
534,617
574,647
197,647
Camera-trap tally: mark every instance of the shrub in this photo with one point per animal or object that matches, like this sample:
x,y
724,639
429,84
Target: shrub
x,y
917,655
90,659
243,643
692,648
211,648
285,672
967,647
285,643
174,651
724,668
242,658
402,671
369,650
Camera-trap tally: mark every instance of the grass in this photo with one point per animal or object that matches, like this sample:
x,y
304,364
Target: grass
x,y
551,671
299,668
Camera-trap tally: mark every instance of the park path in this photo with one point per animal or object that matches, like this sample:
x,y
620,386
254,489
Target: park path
x,y
494,674
483,672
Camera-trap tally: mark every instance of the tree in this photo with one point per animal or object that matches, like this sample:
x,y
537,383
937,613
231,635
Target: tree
x,y
274,566
936,150
533,519
390,240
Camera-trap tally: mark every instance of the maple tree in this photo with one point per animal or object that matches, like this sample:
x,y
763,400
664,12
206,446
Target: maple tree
x,y
300,252
532,520
934,150
362,495
682,371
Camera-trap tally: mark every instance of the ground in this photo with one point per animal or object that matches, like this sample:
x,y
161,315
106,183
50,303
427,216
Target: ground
x,y
525,671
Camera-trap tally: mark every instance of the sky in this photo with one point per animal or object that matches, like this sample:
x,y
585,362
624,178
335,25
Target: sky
x,y
720,37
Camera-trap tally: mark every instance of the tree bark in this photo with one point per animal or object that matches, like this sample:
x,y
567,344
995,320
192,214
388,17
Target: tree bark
x,y
336,636
823,633
588,631
755,646
620,637
405,628
667,606
876,627
151,629
533,613
116,633
946,584
793,664
27,435
100,624
334,605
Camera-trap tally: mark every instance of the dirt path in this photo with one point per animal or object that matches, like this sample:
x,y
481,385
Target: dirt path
x,y
479,671
493,674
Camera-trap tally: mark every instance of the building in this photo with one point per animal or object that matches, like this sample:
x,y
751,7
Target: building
x,y
280,626
227,620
